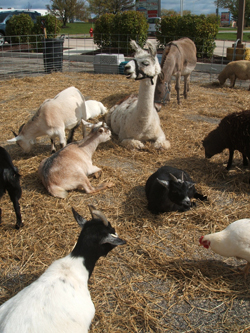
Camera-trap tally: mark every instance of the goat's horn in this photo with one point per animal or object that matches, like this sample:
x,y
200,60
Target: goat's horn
x,y
14,133
173,177
182,176
98,214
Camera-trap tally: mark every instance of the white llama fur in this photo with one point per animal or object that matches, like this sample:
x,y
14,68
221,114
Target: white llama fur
x,y
135,120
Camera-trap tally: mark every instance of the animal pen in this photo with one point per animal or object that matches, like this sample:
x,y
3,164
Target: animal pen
x,y
161,280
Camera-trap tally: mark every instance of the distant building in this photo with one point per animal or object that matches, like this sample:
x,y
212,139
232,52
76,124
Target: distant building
x,y
151,8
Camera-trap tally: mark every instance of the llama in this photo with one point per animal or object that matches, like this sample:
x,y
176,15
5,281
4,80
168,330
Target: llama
x,y
178,59
135,119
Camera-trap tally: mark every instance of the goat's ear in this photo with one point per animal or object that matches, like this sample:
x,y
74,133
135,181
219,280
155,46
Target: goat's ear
x,y
79,219
164,183
97,214
112,239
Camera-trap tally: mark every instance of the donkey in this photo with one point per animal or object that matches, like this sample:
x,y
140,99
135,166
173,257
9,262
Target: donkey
x,y
178,59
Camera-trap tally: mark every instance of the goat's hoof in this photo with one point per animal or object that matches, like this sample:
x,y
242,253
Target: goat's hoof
x,y
18,226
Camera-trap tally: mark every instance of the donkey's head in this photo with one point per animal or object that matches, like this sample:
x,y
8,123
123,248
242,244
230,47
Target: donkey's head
x,y
145,64
162,91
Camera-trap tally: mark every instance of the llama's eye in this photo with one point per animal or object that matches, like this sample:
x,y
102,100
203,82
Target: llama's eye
x,y
145,63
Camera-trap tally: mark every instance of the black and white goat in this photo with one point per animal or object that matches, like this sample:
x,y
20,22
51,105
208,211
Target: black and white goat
x,y
10,182
170,189
59,301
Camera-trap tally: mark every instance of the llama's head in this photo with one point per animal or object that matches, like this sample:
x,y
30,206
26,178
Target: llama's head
x,y
145,63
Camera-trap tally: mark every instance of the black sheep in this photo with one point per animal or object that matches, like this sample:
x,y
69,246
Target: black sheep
x,y
10,182
233,132
170,189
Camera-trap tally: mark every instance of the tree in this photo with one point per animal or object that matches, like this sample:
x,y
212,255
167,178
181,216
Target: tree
x,y
171,12
168,12
67,9
233,6
100,7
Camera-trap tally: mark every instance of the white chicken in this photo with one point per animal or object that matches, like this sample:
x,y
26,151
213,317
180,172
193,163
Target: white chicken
x,y
233,241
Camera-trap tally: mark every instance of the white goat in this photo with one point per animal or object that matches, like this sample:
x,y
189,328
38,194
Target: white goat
x,y
94,109
64,111
69,168
59,301
135,119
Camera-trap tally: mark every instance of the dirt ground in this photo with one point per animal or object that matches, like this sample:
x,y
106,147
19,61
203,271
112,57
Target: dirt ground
x,y
161,280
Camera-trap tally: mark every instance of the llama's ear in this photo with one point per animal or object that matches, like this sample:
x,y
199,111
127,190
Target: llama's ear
x,y
151,49
134,45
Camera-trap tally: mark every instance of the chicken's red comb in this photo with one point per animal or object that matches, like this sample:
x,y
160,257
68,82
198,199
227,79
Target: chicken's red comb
x,y
201,240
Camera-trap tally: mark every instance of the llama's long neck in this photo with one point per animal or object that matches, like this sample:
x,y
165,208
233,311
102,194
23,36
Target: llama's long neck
x,y
145,103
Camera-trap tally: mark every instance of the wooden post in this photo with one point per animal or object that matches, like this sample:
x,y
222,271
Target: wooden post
x,y
240,27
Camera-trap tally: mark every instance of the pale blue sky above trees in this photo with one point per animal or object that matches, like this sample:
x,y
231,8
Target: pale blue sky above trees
x,y
195,6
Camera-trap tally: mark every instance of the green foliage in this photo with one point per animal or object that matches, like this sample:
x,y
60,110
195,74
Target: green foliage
x,y
116,30
52,25
233,7
19,25
201,29
66,10
100,7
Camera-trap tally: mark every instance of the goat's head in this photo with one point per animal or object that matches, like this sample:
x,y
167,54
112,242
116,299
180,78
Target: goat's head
x,y
97,237
21,141
145,63
178,190
99,130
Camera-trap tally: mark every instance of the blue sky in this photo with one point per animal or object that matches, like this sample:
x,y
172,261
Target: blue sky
x,y
195,6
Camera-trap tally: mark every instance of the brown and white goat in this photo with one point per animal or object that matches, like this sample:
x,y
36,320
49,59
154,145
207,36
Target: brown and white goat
x,y
69,168
64,111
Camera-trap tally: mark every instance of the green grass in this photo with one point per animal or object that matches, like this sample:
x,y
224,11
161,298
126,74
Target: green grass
x,y
83,28
232,36
77,28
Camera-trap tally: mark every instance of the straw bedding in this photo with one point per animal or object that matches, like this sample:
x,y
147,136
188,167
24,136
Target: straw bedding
x,y
161,281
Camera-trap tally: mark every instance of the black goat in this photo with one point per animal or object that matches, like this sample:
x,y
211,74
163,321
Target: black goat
x,y
170,189
10,181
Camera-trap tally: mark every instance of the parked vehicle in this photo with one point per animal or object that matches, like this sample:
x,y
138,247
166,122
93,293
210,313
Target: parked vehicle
x,y
6,15
152,21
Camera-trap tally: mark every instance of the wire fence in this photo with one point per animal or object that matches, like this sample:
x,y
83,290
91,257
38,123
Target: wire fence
x,y
79,53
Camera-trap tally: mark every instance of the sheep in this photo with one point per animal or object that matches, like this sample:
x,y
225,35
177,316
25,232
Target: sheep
x,y
59,300
70,167
64,111
10,182
239,69
233,132
170,189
